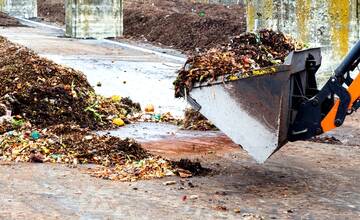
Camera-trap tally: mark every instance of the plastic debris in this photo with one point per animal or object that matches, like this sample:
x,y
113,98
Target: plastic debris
x,y
193,197
167,183
156,117
35,135
237,210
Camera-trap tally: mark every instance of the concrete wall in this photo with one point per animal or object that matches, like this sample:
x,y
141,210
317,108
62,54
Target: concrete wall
x,y
330,24
21,8
94,18
224,2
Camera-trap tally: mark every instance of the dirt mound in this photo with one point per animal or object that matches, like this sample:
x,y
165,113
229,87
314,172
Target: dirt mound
x,y
246,52
7,21
180,24
52,10
46,94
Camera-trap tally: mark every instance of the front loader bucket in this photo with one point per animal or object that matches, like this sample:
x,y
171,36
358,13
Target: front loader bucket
x,y
255,109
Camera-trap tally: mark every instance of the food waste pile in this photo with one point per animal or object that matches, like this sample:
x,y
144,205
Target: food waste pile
x,y
193,120
45,93
48,113
244,53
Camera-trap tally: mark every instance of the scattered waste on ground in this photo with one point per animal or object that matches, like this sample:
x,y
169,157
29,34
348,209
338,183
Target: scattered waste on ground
x,y
68,144
237,210
157,117
148,168
193,197
221,208
194,168
250,216
167,183
326,140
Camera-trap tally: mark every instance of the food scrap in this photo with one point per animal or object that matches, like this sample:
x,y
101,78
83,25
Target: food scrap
x,y
246,52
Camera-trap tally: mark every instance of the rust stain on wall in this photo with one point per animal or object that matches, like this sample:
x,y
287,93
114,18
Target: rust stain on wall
x,y
339,15
303,8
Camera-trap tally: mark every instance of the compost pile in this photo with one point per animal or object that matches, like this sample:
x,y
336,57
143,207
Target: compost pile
x,y
67,143
246,52
179,24
48,113
194,120
45,93
116,159
7,21
51,11
182,24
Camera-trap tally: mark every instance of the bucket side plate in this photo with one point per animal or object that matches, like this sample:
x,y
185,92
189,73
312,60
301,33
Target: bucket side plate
x,y
252,112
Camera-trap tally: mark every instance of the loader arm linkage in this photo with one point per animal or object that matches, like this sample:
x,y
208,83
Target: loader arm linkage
x,y
322,113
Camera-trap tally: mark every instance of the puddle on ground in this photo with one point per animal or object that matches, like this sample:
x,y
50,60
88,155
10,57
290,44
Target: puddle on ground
x,y
145,82
147,131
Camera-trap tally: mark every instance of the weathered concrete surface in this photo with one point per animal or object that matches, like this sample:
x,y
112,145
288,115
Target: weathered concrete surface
x,y
93,18
303,181
20,8
332,25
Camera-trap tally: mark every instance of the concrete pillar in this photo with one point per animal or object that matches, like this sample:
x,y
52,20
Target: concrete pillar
x,y
260,14
94,18
20,8
330,24
251,17
222,2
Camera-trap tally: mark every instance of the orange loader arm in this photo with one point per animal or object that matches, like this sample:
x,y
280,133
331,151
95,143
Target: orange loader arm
x,y
328,123
328,107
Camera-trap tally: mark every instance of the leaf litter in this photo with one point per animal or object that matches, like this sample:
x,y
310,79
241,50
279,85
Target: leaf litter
x,y
244,53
